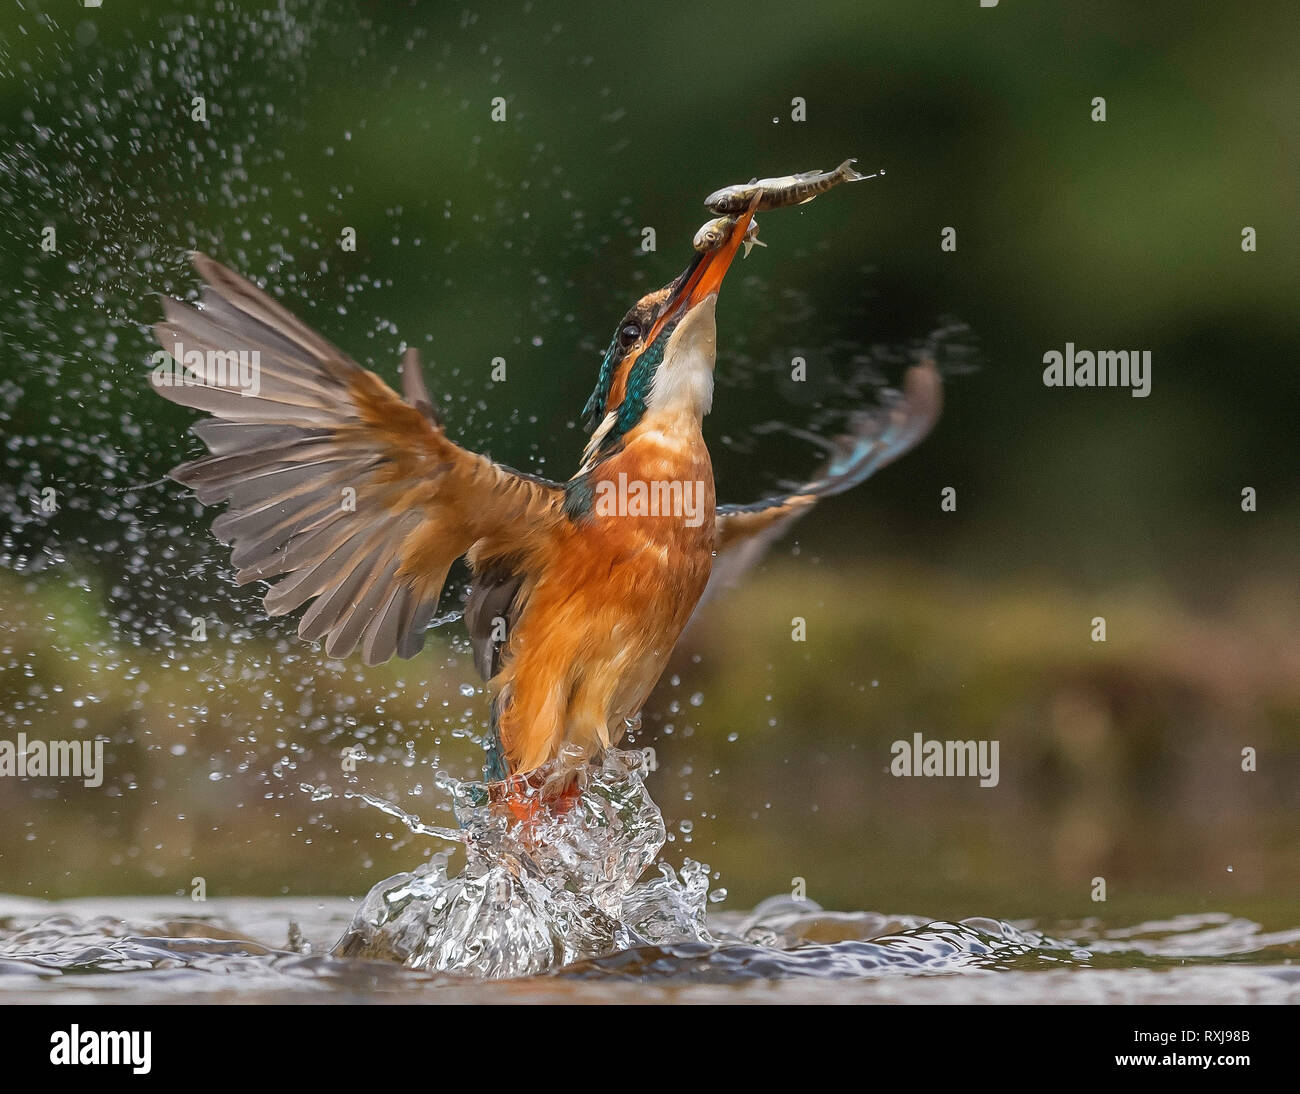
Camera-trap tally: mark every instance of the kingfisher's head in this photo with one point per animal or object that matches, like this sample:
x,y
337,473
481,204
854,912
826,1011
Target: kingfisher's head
x,y
664,350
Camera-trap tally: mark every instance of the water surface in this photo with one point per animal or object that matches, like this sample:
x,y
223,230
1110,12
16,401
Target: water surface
x,y
264,950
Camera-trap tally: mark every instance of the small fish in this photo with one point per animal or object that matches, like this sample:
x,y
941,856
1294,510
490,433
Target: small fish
x,y
713,234
787,190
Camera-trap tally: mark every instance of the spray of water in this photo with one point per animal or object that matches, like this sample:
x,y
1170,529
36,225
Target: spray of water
x,y
539,893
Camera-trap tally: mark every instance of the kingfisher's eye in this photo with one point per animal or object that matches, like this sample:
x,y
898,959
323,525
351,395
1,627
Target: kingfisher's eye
x,y
629,334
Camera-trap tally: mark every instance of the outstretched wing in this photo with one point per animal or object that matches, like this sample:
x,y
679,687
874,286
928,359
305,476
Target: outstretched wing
x,y
348,495
876,437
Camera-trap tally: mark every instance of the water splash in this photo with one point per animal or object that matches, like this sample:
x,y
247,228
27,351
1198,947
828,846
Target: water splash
x,y
542,892
413,823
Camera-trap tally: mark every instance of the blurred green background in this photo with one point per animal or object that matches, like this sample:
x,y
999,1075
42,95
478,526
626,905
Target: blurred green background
x,y
522,239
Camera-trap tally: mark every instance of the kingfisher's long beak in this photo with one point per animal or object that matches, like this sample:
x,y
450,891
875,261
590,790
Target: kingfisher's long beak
x,y
703,278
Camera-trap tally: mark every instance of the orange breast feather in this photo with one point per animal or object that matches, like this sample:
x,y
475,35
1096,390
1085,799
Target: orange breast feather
x,y
604,614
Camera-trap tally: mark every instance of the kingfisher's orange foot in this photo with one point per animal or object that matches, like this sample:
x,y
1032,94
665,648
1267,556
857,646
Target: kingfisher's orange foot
x,y
528,797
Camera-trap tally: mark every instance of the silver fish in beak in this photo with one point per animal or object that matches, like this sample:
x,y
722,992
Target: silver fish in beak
x,y
786,190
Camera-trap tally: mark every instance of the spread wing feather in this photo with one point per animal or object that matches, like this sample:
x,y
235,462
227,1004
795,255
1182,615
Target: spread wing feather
x,y
876,437
339,491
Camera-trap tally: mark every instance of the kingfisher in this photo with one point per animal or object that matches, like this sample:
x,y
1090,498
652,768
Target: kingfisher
x,y
354,501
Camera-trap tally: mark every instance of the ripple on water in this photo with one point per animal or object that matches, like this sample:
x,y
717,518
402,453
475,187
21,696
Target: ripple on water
x,y
143,949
